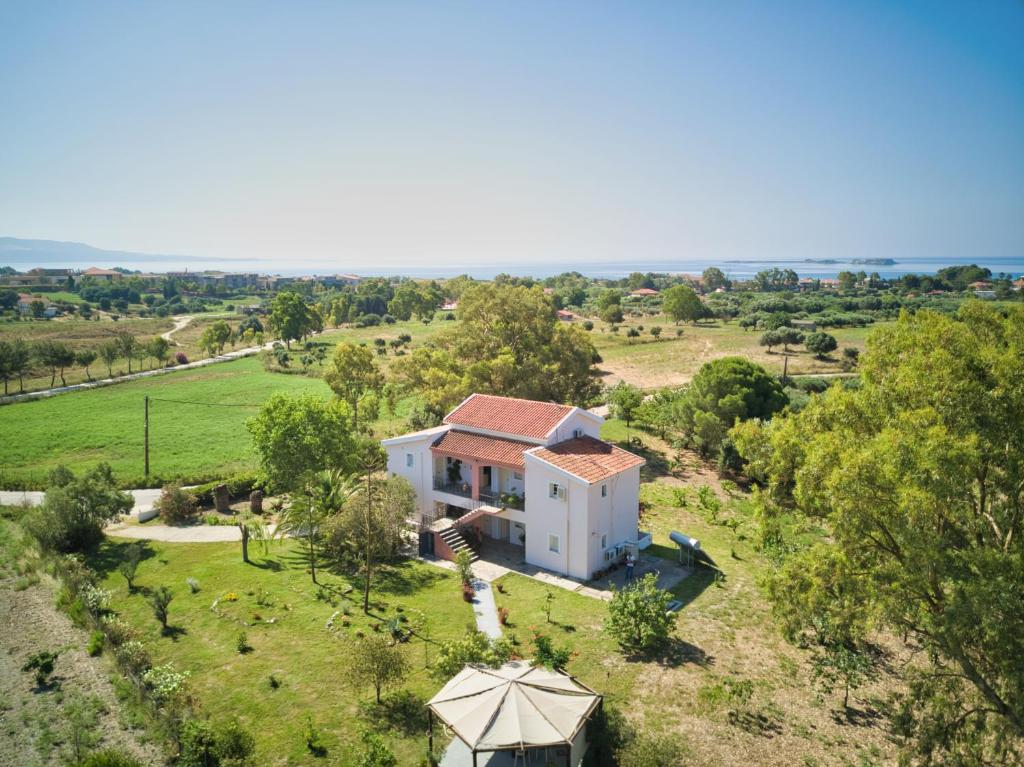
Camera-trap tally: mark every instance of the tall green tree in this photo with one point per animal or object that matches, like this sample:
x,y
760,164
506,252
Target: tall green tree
x,y
215,337
110,352
56,356
723,391
352,374
290,317
508,341
625,399
682,304
918,475
84,358
297,436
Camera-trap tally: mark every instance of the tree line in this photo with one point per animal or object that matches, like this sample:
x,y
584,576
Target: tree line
x,y
20,358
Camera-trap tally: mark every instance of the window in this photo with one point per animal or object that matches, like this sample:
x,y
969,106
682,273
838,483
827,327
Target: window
x,y
553,543
576,433
517,476
604,541
408,459
555,490
604,491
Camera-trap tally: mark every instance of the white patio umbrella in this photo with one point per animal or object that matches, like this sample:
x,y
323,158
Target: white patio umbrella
x,y
514,707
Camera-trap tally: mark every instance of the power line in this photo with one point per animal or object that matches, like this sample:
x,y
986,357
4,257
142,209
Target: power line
x,y
193,402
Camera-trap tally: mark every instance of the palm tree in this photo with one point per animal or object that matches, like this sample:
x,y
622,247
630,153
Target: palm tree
x,y
323,496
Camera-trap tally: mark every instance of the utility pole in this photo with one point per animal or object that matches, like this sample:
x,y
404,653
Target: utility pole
x,y
785,371
146,438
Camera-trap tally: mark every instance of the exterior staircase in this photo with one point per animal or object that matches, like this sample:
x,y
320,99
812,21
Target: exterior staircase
x,y
456,542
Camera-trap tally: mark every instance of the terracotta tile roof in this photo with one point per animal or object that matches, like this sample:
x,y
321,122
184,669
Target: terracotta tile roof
x,y
644,292
477,447
587,458
521,417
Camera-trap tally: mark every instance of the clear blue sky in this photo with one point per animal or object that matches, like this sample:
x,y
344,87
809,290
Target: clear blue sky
x,y
449,133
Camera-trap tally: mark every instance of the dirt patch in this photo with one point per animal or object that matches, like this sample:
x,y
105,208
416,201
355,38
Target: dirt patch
x,y
33,721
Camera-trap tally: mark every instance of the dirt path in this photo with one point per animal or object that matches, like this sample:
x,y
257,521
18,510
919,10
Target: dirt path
x,y
179,323
34,722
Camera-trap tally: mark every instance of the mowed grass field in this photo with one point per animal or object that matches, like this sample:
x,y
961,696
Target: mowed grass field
x,y
285,616
81,429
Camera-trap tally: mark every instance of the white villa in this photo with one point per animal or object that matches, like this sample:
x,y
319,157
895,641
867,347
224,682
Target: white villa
x,y
527,473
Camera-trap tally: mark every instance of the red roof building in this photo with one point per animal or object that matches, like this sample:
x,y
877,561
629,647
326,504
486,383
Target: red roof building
x,y
517,417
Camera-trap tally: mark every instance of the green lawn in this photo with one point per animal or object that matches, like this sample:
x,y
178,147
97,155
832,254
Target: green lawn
x,y
289,640
83,428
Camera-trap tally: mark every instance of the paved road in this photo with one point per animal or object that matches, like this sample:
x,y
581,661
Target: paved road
x,y
144,499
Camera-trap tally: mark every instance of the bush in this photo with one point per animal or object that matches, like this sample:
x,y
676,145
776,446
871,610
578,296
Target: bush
x,y
75,510
95,644
638,615
133,657
204,746
181,358
175,505
117,631
193,585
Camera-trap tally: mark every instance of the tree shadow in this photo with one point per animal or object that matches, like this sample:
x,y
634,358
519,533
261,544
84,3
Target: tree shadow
x,y
755,723
867,716
110,553
403,711
174,633
267,563
675,652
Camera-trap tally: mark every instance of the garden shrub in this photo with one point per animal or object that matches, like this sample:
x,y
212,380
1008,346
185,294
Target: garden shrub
x,y
175,504
96,641
76,509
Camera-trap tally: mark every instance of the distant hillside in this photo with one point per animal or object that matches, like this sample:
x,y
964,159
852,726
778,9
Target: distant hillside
x,y
24,254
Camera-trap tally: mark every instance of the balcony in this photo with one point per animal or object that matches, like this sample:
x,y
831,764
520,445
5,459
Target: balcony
x,y
462,489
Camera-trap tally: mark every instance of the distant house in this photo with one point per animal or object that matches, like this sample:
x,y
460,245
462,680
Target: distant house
x,y
808,325
449,306
986,295
643,292
1018,284
25,301
107,275
980,285
532,475
829,282
565,315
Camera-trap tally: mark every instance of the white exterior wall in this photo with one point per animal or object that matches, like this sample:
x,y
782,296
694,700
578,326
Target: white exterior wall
x,y
420,474
566,518
615,515
589,423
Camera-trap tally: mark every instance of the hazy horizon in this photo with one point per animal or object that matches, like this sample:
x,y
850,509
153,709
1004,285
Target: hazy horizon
x,y
410,136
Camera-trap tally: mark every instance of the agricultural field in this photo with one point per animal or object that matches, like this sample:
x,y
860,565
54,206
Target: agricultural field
x,y
296,664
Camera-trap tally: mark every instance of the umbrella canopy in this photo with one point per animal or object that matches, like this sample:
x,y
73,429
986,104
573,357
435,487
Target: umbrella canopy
x,y
514,706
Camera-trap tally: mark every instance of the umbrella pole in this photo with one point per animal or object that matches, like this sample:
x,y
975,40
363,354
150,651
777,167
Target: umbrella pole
x,y
430,731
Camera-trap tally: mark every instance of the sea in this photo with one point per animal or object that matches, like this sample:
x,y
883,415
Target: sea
x,y
734,268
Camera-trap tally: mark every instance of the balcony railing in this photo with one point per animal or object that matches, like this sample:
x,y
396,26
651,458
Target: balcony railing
x,y
463,489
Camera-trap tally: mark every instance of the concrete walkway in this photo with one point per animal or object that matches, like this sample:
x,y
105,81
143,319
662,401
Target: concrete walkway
x,y
485,610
